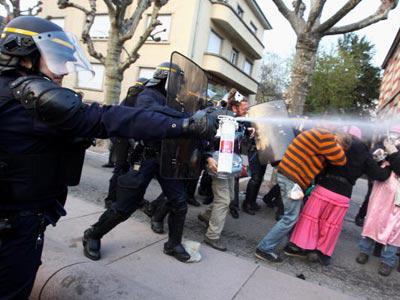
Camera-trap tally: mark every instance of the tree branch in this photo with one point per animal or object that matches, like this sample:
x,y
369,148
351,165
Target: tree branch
x,y
340,14
381,14
296,5
89,19
110,7
7,8
315,13
295,21
299,8
134,55
129,26
120,11
62,4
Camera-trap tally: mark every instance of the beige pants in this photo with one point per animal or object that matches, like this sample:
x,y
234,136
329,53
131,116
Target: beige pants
x,y
223,190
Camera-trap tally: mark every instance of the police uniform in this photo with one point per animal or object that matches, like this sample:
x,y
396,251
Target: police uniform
x,y
132,187
125,150
39,156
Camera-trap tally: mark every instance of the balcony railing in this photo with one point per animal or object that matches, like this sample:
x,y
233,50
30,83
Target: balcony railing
x,y
222,68
226,18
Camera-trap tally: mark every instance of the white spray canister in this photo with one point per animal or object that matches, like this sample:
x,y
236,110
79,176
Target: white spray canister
x,y
227,128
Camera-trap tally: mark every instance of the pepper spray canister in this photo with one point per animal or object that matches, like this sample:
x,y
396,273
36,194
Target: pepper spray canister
x,y
227,129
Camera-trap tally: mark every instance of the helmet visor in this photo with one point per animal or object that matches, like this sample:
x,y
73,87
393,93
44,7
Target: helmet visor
x,y
62,53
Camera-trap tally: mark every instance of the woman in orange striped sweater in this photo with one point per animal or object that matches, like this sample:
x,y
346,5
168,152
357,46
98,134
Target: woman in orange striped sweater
x,y
304,159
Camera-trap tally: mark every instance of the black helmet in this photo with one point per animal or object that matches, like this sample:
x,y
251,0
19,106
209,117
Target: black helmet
x,y
28,36
17,36
137,86
140,81
162,71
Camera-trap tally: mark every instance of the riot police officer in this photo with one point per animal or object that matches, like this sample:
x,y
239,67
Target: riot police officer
x,y
132,186
125,150
39,153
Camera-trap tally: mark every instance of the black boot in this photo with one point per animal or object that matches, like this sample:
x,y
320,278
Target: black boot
x,y
248,209
193,201
107,203
208,200
177,251
157,227
160,210
176,221
147,208
251,196
91,246
92,236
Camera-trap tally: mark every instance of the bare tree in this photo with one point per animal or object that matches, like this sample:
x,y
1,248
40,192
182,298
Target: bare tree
x,y
13,9
274,79
309,33
122,29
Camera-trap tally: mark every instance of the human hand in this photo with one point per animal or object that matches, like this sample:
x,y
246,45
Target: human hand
x,y
204,123
379,155
212,165
390,147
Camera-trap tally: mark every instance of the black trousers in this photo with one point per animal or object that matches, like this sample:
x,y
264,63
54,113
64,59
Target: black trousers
x,y
235,202
112,187
205,188
130,191
363,209
257,176
20,257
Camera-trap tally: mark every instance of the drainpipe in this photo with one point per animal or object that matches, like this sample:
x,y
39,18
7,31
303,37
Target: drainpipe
x,y
196,28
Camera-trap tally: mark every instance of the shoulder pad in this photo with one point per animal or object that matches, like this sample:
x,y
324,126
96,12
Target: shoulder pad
x,y
45,99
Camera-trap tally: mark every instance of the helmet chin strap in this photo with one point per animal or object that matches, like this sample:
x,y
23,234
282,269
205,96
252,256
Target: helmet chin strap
x,y
35,59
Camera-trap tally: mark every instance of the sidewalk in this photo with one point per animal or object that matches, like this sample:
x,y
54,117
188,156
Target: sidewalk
x,y
134,267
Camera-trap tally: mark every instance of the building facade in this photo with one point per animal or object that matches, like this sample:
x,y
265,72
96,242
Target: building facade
x,y
389,98
223,36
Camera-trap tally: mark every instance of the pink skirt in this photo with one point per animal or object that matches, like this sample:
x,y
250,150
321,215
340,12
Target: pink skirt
x,y
321,220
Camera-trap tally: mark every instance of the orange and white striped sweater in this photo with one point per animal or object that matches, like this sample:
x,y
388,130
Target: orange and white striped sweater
x,y
306,156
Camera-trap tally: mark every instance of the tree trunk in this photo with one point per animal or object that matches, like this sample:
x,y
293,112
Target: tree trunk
x,y
113,74
302,70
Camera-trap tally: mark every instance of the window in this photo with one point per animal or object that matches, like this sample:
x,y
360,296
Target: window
x,y
28,6
240,11
146,72
86,81
214,43
100,27
161,31
248,67
58,21
253,27
234,56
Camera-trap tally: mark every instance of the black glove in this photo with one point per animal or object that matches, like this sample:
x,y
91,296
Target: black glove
x,y
204,123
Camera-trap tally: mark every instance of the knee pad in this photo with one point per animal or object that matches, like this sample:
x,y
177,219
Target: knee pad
x,y
123,216
179,207
131,180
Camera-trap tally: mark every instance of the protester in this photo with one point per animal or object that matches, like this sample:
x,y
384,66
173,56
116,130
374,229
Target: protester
x,y
304,159
382,223
321,219
223,188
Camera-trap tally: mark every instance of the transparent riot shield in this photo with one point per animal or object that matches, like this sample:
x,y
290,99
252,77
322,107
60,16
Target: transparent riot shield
x,y
273,131
187,93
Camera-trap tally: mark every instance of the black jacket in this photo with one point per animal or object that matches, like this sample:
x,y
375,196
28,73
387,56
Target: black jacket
x,y
359,161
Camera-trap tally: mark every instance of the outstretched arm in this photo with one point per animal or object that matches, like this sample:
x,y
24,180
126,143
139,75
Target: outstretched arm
x,y
63,109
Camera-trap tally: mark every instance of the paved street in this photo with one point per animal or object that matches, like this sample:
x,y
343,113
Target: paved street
x,y
344,275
